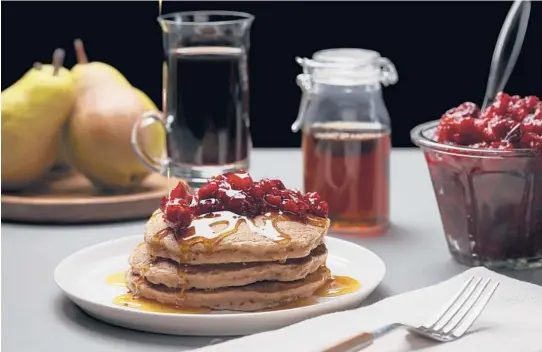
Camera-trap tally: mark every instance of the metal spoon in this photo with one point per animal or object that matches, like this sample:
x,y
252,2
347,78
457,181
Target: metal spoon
x,y
500,69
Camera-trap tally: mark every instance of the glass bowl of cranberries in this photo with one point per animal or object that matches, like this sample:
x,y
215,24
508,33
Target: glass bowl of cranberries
x,y
486,170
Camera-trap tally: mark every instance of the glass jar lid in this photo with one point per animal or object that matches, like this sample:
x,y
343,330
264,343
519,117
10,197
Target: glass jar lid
x,y
349,66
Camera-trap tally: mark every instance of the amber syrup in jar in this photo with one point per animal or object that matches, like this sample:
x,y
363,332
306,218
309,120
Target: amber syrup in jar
x,y
346,136
348,164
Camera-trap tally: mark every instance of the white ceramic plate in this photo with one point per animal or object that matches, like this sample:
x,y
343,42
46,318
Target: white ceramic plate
x,y
82,277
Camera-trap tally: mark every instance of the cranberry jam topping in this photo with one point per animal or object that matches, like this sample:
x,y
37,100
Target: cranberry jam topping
x,y
511,122
238,193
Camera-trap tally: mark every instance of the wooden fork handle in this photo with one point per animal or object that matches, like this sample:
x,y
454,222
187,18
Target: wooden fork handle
x,y
353,344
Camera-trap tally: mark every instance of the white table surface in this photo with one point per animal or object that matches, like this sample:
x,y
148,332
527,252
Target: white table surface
x,y
37,317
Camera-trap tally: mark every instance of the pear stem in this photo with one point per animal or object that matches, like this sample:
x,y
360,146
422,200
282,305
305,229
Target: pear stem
x,y
58,60
80,51
37,65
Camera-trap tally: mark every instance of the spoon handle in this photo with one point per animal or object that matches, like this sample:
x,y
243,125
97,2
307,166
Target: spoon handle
x,y
501,69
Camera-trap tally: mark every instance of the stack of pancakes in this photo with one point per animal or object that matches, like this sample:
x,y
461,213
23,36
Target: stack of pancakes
x,y
233,266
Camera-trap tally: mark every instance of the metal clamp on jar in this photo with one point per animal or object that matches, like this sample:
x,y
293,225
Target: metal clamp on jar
x,y
346,136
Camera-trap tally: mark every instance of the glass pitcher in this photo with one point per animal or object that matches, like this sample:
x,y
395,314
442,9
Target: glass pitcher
x,y
346,136
206,116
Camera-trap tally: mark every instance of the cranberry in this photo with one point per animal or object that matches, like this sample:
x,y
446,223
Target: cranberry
x,y
206,206
303,207
311,197
240,180
461,130
519,114
489,113
514,99
283,193
236,203
498,128
531,103
178,213
531,141
268,185
443,133
501,103
243,204
192,200
180,191
468,131
256,191
532,125
289,206
467,109
321,209
273,200
222,194
208,191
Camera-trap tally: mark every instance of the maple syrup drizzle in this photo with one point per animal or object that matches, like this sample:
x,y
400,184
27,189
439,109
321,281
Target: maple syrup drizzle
x,y
202,232
202,226
131,301
117,279
220,222
156,241
185,244
338,286
211,216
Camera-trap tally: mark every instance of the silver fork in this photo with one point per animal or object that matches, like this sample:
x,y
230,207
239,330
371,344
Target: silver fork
x,y
451,322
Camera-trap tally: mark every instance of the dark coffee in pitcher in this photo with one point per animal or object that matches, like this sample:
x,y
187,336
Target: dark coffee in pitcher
x,y
208,97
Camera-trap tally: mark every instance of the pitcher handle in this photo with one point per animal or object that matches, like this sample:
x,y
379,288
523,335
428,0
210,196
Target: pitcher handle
x,y
147,119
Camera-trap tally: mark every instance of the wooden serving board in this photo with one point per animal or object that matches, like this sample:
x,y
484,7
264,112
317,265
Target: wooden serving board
x,y
70,198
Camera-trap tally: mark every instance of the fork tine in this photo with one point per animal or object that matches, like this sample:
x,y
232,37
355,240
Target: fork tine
x,y
466,322
445,309
457,307
465,308
452,305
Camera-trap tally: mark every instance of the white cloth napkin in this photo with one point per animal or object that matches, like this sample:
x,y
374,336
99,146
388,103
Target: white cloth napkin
x,y
511,322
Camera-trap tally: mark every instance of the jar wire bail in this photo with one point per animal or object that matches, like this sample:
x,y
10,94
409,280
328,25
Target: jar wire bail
x,y
388,72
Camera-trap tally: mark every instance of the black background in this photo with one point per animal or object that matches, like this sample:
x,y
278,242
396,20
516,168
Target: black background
x,y
442,50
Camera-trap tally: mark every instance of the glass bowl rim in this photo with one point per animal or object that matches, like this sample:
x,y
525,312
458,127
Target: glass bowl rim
x,y
418,137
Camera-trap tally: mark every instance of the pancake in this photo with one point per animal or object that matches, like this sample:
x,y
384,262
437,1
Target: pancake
x,y
256,296
224,237
210,276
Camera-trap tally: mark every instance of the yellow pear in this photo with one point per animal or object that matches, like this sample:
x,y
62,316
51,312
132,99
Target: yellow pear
x,y
34,109
97,138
